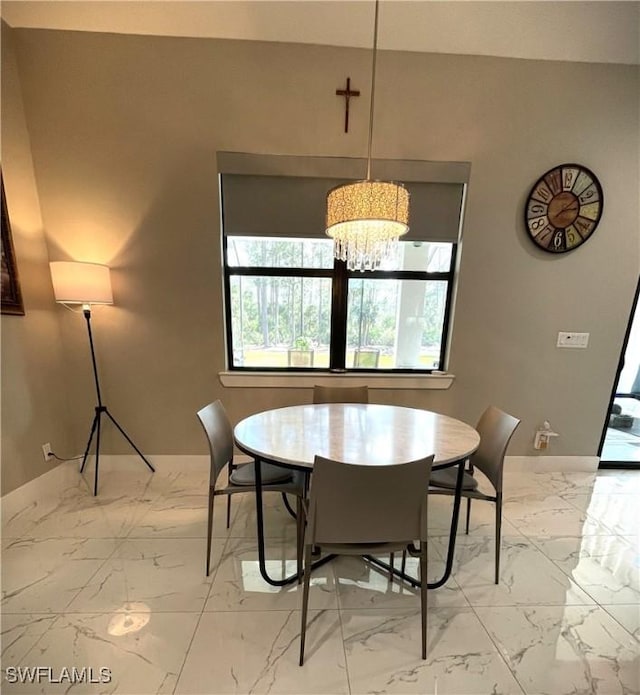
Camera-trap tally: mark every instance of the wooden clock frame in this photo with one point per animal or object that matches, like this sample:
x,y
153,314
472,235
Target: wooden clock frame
x,y
563,208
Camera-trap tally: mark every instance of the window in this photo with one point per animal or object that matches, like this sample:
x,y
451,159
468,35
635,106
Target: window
x,y
279,296
291,306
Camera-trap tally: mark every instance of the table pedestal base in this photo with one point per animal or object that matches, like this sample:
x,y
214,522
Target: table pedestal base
x,y
375,561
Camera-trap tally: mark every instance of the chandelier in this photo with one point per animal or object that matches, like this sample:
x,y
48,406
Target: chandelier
x,y
365,219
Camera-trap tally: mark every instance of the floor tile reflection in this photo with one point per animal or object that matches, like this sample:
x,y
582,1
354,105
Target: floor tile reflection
x,y
118,582
383,653
606,567
257,652
131,652
570,649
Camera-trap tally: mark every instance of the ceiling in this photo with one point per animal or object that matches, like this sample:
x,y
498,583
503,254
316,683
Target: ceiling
x,y
607,32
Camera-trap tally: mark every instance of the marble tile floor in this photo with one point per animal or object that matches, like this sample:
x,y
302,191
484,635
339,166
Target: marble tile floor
x,y
117,583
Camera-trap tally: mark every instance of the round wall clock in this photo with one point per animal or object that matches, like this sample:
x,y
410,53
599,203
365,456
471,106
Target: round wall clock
x,y
563,208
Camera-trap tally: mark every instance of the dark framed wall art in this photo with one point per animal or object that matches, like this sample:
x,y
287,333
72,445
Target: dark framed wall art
x,y
11,295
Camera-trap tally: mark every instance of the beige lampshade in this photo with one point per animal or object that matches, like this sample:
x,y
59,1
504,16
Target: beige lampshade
x,y
81,283
365,219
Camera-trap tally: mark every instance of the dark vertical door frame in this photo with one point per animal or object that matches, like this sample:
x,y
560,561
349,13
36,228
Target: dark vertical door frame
x,y
619,464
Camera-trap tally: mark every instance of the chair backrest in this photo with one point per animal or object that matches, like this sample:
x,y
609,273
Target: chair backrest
x,y
340,394
496,429
214,420
351,503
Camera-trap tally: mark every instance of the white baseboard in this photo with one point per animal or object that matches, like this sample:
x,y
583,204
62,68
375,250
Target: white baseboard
x,y
548,464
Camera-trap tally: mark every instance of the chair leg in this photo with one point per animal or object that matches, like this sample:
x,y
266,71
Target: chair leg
x,y
392,558
228,510
466,530
498,534
423,596
299,537
210,528
305,485
305,599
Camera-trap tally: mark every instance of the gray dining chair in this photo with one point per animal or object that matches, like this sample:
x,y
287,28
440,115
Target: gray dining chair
x,y
366,510
217,427
496,429
340,394
242,474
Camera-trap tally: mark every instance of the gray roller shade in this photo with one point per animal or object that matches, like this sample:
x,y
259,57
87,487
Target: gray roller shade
x,y
258,200
284,206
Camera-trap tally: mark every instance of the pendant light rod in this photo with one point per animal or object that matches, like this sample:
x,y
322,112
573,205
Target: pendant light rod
x,y
366,219
373,88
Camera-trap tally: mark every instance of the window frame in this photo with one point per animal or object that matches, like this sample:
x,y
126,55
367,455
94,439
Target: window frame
x,y
340,276
287,193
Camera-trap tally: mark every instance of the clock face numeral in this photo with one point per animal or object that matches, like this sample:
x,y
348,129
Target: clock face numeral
x,y
558,241
582,182
589,195
563,208
572,236
544,238
542,193
536,209
591,211
584,227
537,224
554,181
569,176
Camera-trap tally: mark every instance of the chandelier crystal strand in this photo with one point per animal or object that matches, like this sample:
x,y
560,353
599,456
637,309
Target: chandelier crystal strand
x,y
366,218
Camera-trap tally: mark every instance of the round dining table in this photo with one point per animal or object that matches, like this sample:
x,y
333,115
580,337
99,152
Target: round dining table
x,y
365,434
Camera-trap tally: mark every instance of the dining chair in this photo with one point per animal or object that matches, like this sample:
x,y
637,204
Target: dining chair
x,y
340,394
496,429
364,510
217,427
242,474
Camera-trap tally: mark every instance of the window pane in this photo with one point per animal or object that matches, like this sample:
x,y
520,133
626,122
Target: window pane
x,y
395,324
438,257
280,321
278,252
421,255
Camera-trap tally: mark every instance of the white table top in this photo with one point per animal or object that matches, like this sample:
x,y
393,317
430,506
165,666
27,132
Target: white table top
x,y
354,433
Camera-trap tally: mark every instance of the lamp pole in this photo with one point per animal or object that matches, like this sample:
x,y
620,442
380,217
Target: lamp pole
x,y
101,410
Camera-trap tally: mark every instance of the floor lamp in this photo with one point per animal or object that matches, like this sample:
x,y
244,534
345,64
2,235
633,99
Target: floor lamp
x,y
87,284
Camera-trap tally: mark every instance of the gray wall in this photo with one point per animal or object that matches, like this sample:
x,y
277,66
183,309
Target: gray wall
x,y
34,396
124,132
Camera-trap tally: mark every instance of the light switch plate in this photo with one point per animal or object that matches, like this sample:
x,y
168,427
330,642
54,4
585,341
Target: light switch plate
x,y
572,340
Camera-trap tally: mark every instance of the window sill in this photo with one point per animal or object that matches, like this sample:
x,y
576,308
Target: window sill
x,y
309,380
